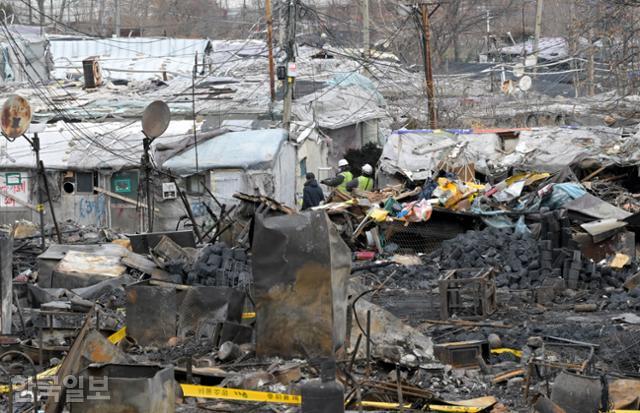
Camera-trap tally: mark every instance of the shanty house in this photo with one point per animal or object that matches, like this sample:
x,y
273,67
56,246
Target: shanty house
x,y
93,174
256,162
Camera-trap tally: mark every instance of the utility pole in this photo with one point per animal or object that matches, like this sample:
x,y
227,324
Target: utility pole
x,y
291,58
428,70
366,40
592,65
35,144
591,70
116,28
536,41
272,78
488,32
574,48
280,24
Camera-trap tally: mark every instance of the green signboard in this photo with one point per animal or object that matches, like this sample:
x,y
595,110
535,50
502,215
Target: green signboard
x,y
13,178
122,186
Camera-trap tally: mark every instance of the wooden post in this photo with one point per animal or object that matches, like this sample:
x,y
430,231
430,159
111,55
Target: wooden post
x,y
6,283
366,36
538,28
289,80
428,70
272,77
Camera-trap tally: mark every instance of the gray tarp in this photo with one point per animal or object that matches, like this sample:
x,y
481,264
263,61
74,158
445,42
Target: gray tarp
x,y
256,149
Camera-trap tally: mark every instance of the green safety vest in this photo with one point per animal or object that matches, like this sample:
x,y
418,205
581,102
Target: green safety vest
x,y
365,183
348,177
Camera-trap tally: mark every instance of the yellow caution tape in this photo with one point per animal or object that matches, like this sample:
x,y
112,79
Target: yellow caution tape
x,y
515,352
383,405
114,338
118,336
460,409
40,208
248,315
213,392
47,373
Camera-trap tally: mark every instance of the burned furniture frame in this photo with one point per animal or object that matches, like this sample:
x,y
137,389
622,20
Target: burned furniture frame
x,y
468,293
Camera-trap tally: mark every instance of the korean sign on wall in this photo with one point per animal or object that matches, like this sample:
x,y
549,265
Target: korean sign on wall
x,y
13,185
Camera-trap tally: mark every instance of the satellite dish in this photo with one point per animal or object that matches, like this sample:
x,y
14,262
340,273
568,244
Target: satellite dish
x,y
155,119
16,116
525,83
518,70
530,60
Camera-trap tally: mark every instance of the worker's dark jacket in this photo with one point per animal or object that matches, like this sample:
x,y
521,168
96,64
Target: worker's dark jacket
x,y
312,194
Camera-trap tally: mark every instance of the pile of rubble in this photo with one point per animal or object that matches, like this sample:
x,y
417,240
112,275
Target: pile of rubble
x,y
489,320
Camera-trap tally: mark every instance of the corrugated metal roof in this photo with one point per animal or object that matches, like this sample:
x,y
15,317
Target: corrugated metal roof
x,y
136,58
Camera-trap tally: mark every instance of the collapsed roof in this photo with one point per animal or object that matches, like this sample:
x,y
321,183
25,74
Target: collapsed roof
x,y
415,153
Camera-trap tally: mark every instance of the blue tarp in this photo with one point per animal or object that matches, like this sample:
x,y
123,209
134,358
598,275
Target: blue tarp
x,y
560,195
255,149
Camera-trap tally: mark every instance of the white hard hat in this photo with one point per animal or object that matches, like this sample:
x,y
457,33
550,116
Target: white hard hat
x,y
343,162
367,169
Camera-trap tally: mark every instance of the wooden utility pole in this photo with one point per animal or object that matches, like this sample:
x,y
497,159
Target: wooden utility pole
x,y
536,41
291,58
366,39
428,70
592,65
272,78
101,17
573,52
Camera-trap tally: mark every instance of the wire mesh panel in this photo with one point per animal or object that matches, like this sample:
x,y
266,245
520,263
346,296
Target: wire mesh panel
x,y
420,236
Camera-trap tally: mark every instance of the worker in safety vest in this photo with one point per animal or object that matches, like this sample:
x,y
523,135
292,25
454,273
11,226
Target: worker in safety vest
x,y
364,182
343,177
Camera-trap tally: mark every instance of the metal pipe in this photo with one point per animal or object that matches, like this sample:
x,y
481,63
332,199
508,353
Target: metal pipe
x,y
35,144
50,201
368,342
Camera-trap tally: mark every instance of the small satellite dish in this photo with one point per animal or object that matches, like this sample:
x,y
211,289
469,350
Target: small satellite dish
x,y
16,116
530,60
155,119
525,83
518,70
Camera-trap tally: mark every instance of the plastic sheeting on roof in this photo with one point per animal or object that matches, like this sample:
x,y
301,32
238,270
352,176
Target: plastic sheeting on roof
x,y
414,153
256,149
87,146
335,107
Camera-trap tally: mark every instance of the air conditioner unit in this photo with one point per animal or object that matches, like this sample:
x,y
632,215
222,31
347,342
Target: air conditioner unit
x,y
169,190
92,73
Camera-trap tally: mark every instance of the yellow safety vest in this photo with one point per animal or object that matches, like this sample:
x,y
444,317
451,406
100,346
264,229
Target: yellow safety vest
x,y
348,177
365,183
